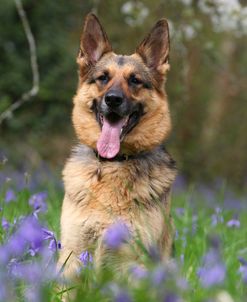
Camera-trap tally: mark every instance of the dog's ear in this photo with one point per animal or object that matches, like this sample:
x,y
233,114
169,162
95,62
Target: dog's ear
x,y
154,49
94,42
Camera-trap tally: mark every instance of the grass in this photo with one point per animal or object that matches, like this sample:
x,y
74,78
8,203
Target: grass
x,y
201,218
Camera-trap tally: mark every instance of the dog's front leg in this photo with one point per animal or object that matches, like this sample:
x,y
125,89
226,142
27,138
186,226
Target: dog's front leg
x,y
70,239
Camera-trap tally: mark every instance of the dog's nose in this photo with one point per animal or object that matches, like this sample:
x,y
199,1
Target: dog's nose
x,y
114,98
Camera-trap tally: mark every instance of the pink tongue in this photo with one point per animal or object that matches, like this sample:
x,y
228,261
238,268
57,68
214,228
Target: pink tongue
x,y
108,144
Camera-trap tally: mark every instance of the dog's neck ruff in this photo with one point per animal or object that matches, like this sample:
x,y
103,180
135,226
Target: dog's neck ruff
x,y
158,156
121,157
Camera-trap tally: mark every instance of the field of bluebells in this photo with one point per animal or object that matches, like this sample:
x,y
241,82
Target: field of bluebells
x,y
210,252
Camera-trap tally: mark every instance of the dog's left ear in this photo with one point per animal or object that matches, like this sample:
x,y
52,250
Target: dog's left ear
x,y
154,49
94,42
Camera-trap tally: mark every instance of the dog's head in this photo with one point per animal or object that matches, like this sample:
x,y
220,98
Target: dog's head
x,y
121,105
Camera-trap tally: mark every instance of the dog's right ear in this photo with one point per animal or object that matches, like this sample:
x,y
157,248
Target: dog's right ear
x,y
94,42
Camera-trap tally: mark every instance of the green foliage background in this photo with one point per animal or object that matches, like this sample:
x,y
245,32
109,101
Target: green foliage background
x,y
206,84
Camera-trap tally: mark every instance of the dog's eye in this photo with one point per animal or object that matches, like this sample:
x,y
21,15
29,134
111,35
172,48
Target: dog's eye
x,y
104,78
133,80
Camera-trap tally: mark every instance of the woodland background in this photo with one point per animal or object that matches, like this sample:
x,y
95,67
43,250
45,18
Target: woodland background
x,y
206,84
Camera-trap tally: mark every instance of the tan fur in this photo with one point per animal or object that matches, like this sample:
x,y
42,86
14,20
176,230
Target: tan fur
x,y
153,128
136,190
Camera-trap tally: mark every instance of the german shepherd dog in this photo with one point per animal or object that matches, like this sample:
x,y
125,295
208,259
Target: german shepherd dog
x,y
120,170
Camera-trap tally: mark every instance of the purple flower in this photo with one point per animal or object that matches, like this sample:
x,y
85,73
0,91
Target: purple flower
x,y
118,294
159,275
86,258
122,296
16,245
171,297
33,293
233,223
242,261
10,196
4,255
117,234
54,245
4,292
33,251
30,272
47,234
31,231
29,235
213,275
213,270
35,272
243,269
5,224
138,272
37,201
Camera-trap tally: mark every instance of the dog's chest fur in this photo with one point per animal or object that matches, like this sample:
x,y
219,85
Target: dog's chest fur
x,y
99,192
118,186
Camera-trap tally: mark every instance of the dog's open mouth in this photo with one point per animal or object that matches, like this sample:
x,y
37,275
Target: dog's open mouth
x,y
113,130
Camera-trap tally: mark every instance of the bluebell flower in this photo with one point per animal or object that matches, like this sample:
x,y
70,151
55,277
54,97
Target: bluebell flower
x,y
31,231
38,202
33,293
31,272
118,294
213,271
117,234
54,244
4,292
138,272
16,245
86,258
5,224
122,296
212,275
171,297
10,196
243,269
29,235
233,223
4,256
159,275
